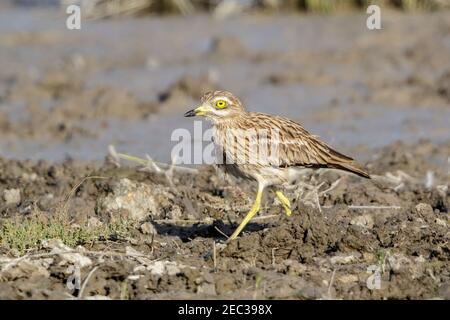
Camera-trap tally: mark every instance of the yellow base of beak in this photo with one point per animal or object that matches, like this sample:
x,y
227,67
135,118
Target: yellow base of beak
x,y
199,111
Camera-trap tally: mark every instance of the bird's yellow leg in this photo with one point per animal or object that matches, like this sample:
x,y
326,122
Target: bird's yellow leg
x,y
285,202
254,210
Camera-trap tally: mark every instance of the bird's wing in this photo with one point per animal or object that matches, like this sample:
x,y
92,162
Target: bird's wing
x,y
297,147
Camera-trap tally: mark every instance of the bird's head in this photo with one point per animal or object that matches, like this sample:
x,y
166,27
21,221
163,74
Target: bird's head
x,y
217,105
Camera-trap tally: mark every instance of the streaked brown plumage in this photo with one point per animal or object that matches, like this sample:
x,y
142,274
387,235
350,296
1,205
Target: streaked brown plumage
x,y
296,148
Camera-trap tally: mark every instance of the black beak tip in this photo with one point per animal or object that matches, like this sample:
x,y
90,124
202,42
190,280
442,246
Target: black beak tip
x,y
190,113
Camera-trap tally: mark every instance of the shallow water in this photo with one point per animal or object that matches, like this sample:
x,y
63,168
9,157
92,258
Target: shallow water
x,y
147,55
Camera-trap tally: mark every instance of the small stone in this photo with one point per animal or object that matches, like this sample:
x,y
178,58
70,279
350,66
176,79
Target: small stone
x,y
348,278
172,269
176,213
139,269
25,269
363,221
66,254
29,177
441,222
157,268
225,285
46,202
397,261
368,257
134,277
165,267
46,262
11,196
207,289
420,259
136,199
341,259
221,246
148,228
198,280
424,209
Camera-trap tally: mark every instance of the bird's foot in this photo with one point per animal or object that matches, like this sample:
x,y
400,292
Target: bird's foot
x,y
288,211
285,202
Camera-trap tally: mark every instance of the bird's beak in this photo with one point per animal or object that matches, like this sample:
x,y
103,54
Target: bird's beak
x,y
199,111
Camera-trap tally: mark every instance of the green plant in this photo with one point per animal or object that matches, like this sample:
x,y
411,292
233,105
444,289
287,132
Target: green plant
x,y
23,234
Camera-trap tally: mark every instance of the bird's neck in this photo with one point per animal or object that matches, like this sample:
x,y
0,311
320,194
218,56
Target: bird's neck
x,y
229,120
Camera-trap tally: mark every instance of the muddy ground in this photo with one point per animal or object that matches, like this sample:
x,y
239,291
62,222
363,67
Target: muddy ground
x,y
398,224
134,233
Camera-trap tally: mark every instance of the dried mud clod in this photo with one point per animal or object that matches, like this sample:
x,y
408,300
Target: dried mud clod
x,y
156,233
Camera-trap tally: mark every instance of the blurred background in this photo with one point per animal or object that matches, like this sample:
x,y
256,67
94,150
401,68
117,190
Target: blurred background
x,y
127,77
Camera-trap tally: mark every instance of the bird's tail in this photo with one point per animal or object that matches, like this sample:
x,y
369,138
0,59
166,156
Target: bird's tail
x,y
353,167
342,162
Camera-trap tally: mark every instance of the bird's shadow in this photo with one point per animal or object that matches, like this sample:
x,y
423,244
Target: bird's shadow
x,y
214,230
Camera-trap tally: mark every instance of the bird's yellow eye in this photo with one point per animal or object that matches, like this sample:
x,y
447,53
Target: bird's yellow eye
x,y
220,104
